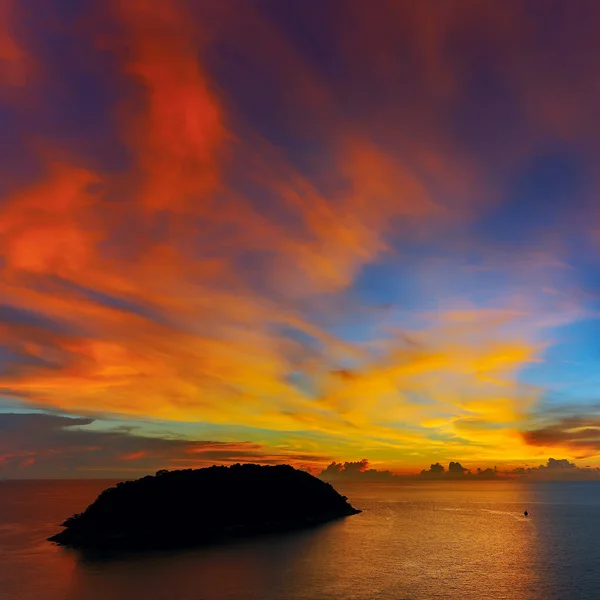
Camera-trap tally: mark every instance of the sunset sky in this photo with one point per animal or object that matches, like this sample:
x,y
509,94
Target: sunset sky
x,y
298,231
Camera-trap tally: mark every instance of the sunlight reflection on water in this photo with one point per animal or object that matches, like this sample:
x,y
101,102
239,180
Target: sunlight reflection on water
x,y
449,541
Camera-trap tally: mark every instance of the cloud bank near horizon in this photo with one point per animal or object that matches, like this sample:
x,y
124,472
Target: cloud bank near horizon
x,y
553,470
38,445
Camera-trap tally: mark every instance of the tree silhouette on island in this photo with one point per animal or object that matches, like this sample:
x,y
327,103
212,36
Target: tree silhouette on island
x,y
191,507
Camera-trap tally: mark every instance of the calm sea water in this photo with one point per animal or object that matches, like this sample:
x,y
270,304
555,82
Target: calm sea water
x,y
413,541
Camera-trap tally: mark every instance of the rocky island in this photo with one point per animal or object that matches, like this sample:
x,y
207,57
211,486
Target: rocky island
x,y
175,509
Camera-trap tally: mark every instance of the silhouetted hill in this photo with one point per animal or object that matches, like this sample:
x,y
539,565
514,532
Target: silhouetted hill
x,y
190,507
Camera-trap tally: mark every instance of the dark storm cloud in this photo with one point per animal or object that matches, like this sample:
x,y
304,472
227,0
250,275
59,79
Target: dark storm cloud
x,y
581,434
47,445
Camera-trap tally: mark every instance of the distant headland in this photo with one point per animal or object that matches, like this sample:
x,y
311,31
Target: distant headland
x,y
196,506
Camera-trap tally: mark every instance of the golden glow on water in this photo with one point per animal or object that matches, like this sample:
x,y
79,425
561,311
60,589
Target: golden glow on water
x,y
447,541
464,541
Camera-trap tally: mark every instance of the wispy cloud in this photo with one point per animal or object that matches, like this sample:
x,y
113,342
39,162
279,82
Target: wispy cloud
x,y
207,229
578,434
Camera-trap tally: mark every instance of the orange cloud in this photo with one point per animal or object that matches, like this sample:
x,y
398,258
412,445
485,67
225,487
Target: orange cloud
x,y
198,282
134,455
47,228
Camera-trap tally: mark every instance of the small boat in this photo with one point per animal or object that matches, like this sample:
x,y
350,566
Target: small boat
x,y
526,513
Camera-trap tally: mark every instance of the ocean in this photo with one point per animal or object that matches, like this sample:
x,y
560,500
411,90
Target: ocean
x,y
417,541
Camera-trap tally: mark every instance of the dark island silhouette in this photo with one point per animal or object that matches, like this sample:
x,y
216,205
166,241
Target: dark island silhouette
x,y
190,507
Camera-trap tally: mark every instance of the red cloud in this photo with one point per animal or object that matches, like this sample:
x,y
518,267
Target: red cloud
x,y
134,455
